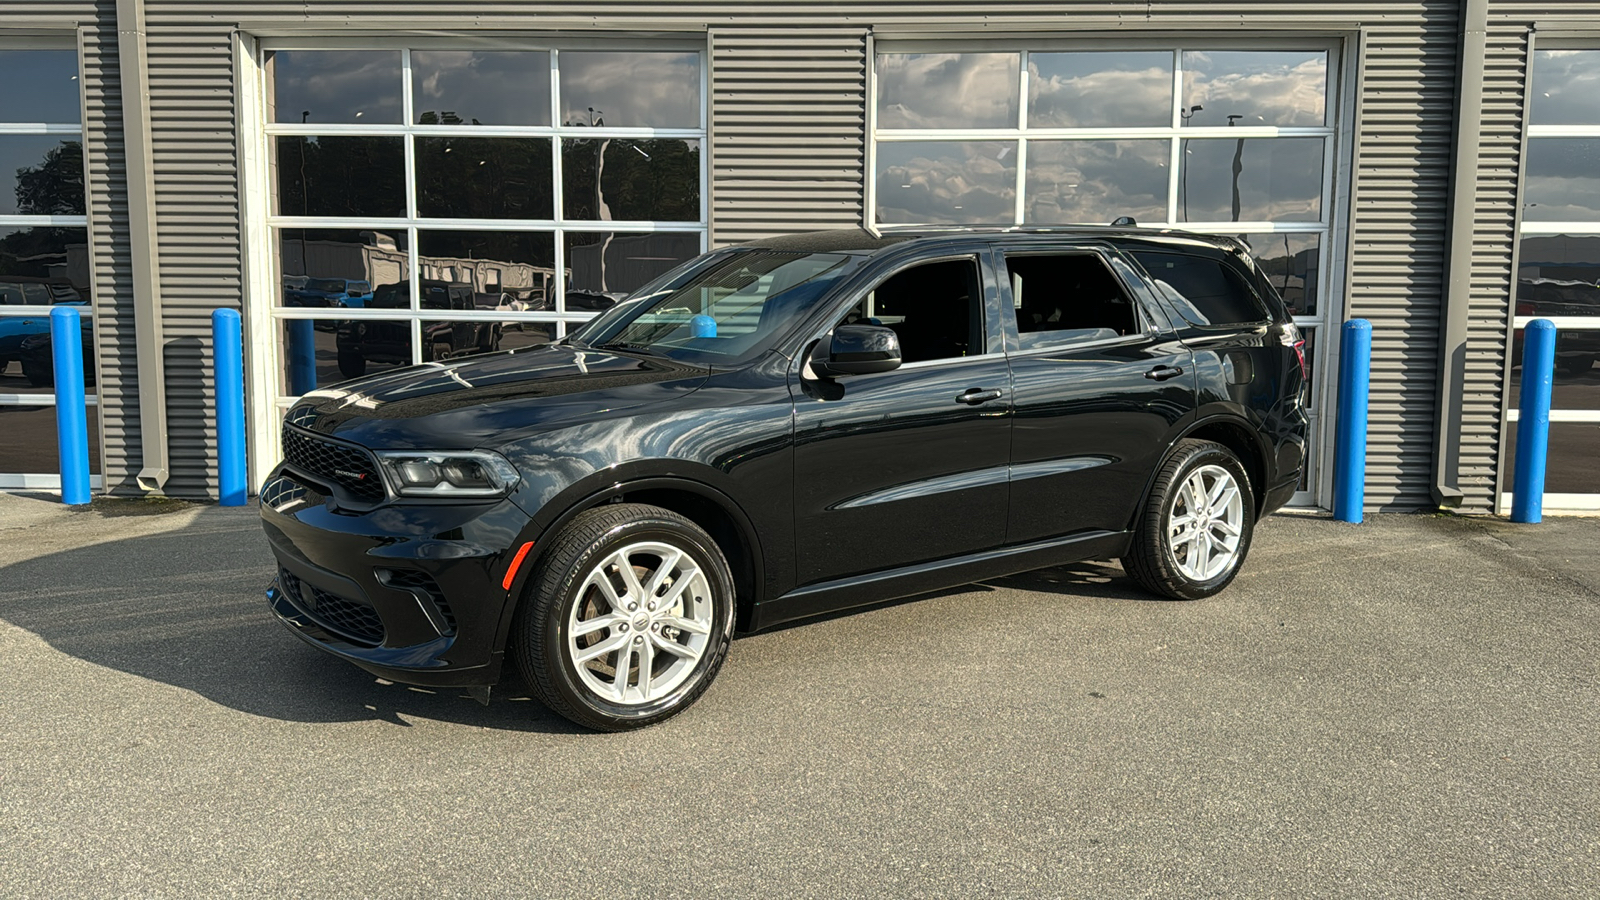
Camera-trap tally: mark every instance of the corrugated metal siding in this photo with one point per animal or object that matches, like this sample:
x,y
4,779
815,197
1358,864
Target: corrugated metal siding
x,y
197,220
787,153
788,146
1398,240
1495,206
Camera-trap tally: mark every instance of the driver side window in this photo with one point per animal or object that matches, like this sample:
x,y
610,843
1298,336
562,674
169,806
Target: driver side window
x,y
936,309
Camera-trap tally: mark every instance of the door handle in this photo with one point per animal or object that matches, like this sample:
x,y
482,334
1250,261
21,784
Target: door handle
x,y
974,396
1162,373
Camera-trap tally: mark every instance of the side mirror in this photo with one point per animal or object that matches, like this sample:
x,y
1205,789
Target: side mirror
x,y
856,350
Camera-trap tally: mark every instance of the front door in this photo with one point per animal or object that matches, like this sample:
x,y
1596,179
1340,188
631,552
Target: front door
x,y
907,466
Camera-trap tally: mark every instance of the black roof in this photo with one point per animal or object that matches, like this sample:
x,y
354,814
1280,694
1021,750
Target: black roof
x,y
859,239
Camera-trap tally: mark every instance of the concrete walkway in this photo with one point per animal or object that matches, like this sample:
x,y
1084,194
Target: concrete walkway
x,y
1404,708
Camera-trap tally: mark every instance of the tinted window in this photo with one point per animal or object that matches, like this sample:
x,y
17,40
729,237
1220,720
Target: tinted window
x,y
1067,297
1207,291
936,309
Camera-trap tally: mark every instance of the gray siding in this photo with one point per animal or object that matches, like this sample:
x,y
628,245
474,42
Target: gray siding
x,y
787,152
788,139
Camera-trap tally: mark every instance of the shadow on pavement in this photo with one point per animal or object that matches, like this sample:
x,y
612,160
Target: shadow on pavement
x,y
186,608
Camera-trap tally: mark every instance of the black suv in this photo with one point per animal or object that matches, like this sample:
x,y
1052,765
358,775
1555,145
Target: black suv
x,y
781,430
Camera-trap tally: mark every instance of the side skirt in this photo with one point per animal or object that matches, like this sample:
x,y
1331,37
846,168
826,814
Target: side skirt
x,y
876,587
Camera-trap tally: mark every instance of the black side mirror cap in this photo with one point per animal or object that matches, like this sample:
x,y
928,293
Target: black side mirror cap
x,y
856,350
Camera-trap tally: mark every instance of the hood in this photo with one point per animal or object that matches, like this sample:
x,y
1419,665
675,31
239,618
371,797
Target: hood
x,y
476,401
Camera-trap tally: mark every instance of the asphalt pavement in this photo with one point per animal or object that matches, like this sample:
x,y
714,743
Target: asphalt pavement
x,y
1405,708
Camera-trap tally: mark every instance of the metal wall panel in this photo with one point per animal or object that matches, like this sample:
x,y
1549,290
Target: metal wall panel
x,y
788,135
788,145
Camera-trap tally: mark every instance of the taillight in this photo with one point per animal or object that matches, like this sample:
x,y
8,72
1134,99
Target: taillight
x,y
1524,307
1300,354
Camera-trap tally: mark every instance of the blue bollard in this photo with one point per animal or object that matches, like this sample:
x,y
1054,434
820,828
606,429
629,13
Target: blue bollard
x,y
702,327
227,375
1350,436
302,353
1533,421
72,426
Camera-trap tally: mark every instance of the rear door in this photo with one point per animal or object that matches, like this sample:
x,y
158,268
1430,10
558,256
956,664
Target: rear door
x,y
1099,381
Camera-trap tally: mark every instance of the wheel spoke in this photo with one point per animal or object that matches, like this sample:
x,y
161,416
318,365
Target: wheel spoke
x,y
1220,505
1222,486
1200,556
682,624
675,593
619,682
1226,527
590,626
1178,523
682,651
589,654
630,579
599,579
647,664
1197,493
661,574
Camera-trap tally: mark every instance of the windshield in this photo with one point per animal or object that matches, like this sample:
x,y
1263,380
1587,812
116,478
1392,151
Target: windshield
x,y
723,310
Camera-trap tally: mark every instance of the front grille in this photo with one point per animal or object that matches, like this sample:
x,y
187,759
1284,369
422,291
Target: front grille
x,y
350,468
350,619
421,583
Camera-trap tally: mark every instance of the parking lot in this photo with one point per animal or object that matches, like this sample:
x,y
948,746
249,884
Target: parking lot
x,y
1403,708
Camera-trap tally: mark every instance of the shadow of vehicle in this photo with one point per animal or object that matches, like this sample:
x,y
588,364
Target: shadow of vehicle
x,y
185,608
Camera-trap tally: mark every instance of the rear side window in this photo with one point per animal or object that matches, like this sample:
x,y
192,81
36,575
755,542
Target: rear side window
x,y
1207,291
1067,298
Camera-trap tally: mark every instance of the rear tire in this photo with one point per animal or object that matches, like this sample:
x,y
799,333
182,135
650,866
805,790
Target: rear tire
x,y
1194,533
627,619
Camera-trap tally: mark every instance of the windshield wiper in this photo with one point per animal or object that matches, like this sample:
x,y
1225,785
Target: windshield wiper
x,y
626,345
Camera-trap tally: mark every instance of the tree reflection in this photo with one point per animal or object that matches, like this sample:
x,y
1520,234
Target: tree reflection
x,y
54,187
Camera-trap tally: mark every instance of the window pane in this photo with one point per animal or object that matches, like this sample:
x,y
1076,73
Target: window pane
x,y
1566,88
1261,180
603,267
1290,263
27,357
317,353
1557,275
41,86
511,270
334,86
1069,297
947,182
1572,465
40,175
630,89
1577,374
476,87
44,265
328,268
1079,90
519,334
28,436
1562,182
1205,290
341,176
1097,181
948,90
1277,87
936,309
631,180
484,178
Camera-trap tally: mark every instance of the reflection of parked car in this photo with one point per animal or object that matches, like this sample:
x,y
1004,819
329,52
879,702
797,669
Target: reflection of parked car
x,y
1545,297
362,340
525,300
592,300
729,450
327,293
38,359
24,291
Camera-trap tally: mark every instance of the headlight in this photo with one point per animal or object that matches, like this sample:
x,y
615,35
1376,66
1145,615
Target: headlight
x,y
452,473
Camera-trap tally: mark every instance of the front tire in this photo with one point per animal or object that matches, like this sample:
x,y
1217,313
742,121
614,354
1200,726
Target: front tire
x,y
628,619
1194,533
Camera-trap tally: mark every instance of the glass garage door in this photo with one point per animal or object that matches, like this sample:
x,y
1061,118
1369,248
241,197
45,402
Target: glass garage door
x,y
1236,140
428,203
1558,270
44,253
